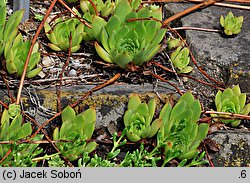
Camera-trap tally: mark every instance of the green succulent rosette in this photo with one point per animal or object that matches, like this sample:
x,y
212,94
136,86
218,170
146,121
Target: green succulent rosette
x,y
123,42
180,133
78,129
104,8
8,28
231,24
14,48
12,128
64,34
16,53
138,119
231,100
180,58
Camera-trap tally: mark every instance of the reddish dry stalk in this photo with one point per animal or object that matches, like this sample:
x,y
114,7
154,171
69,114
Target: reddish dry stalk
x,y
207,155
47,137
198,1
77,102
232,6
139,19
196,28
33,141
8,88
233,115
189,10
203,82
94,6
184,75
166,81
6,155
68,8
31,49
4,105
61,75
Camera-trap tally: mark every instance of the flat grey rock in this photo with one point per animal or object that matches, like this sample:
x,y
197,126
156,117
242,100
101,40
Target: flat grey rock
x,y
234,148
221,57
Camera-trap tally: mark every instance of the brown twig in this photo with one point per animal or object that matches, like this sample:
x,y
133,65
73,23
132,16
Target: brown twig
x,y
6,155
33,141
8,88
31,49
61,75
68,8
184,75
166,81
200,81
4,105
193,1
233,6
78,101
189,10
196,28
49,140
94,6
140,19
199,1
233,115
207,155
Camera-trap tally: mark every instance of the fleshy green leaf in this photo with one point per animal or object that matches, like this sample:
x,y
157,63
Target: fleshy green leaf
x,y
122,59
134,102
155,127
102,53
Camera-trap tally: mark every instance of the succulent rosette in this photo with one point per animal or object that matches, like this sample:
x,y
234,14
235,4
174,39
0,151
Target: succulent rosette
x,y
179,131
180,58
16,53
138,119
231,100
126,41
231,24
104,8
64,34
78,129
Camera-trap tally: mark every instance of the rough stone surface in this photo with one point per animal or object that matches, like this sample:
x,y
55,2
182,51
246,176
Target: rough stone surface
x,y
221,57
234,148
110,102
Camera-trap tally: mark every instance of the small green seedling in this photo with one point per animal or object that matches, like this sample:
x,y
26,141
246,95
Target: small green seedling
x,y
232,25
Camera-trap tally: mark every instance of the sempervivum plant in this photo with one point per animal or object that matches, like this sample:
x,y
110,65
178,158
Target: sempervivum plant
x,y
138,119
64,34
104,8
12,128
124,41
180,133
78,129
231,24
8,28
180,58
16,53
231,100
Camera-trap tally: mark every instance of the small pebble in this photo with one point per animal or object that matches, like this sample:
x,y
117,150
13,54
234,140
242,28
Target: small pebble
x,y
72,73
47,62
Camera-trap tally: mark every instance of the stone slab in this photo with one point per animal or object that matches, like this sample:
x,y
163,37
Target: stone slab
x,y
234,148
221,57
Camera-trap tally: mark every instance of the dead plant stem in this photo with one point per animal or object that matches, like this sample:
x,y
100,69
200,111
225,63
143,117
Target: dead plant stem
x,y
234,115
189,10
68,8
77,102
31,49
